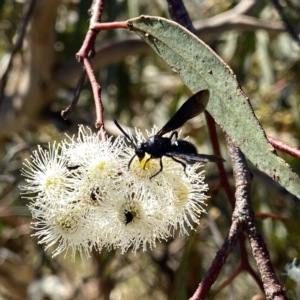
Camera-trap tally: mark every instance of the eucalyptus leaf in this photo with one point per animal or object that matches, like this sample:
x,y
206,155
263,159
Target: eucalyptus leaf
x,y
201,68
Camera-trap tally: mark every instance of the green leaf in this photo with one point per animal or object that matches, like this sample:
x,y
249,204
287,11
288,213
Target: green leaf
x,y
201,68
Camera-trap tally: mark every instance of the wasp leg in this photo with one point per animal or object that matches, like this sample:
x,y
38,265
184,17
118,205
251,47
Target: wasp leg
x,y
160,170
146,162
131,161
182,163
70,168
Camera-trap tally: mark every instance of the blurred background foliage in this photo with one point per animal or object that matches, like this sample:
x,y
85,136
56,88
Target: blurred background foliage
x,y
140,90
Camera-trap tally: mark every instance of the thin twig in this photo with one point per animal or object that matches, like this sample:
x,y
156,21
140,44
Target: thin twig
x,y
17,46
84,55
211,125
284,147
66,112
87,48
96,92
218,262
111,25
244,266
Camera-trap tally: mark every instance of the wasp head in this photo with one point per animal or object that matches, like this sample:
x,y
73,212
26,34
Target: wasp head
x,y
140,150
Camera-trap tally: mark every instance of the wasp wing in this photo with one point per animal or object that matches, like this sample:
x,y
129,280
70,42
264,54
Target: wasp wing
x,y
192,158
189,109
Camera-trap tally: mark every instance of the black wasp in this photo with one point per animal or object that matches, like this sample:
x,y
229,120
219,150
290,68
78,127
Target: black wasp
x,y
179,150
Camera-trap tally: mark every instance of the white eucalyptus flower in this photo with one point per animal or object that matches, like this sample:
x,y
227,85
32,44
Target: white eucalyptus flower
x,y
136,220
83,195
186,198
101,156
46,174
65,228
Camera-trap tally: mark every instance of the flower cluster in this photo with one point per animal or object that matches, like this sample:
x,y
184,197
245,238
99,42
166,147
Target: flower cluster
x,y
83,196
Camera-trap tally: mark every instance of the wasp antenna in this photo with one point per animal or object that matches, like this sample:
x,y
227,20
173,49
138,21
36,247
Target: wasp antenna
x,y
122,130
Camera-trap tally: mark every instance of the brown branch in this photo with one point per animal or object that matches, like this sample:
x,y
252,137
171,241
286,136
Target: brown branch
x,y
245,264
87,48
244,216
179,14
284,147
219,261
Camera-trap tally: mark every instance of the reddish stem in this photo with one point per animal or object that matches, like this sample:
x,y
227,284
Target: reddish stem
x,y
244,266
110,25
87,48
218,262
96,92
245,262
264,215
216,147
85,53
284,147
229,279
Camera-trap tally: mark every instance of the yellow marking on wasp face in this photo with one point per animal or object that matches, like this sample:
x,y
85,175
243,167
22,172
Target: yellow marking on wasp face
x,y
145,164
